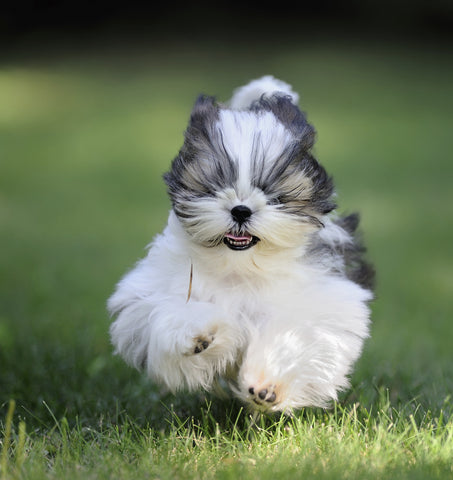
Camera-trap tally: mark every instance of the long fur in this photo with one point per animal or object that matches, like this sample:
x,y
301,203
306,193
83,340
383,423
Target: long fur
x,y
271,297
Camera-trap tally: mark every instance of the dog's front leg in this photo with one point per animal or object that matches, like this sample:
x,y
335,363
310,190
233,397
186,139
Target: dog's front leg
x,y
181,344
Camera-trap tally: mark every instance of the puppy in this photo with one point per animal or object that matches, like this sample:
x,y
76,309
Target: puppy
x,y
255,282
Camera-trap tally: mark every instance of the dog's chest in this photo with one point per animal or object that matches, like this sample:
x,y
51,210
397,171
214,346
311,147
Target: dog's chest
x,y
249,299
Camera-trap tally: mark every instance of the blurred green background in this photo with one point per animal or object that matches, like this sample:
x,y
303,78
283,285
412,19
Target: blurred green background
x,y
89,124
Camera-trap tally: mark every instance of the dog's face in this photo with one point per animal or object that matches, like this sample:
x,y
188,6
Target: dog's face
x,y
245,179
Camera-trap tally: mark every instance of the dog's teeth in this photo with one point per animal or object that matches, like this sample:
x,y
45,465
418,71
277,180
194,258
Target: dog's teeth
x,y
239,242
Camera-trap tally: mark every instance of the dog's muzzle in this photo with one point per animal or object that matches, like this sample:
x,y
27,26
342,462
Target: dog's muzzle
x,y
243,240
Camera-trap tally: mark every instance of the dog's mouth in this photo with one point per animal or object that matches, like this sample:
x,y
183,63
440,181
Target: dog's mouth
x,y
240,242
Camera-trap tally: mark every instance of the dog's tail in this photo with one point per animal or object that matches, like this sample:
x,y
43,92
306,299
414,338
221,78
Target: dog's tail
x,y
243,97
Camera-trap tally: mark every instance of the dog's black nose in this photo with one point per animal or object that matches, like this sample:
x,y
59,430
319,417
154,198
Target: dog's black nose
x,y
241,213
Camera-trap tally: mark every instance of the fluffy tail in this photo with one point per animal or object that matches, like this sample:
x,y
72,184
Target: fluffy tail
x,y
244,96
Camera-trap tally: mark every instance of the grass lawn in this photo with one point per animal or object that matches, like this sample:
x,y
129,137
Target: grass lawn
x,y
84,140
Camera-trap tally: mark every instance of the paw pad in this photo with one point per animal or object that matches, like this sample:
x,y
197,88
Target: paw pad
x,y
264,397
202,343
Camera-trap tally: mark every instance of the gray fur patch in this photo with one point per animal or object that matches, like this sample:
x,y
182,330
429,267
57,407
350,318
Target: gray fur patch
x,y
351,254
203,165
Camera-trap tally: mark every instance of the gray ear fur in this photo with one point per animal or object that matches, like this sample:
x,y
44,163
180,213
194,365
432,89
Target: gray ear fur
x,y
202,165
204,115
289,115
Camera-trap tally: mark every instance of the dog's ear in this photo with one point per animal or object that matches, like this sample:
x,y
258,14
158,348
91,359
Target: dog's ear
x,y
290,116
203,119
205,113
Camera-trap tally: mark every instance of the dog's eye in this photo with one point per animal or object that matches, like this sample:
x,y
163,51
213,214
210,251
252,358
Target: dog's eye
x,y
274,201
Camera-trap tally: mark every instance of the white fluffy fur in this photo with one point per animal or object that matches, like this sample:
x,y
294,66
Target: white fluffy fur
x,y
266,85
275,321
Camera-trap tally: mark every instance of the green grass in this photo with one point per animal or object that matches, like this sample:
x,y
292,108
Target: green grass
x,y
84,140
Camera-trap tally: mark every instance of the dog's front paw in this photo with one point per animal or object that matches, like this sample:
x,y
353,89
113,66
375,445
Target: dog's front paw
x,y
264,397
205,346
202,342
207,331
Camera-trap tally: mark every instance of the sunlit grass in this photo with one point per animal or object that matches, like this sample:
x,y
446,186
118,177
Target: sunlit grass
x,y
351,442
